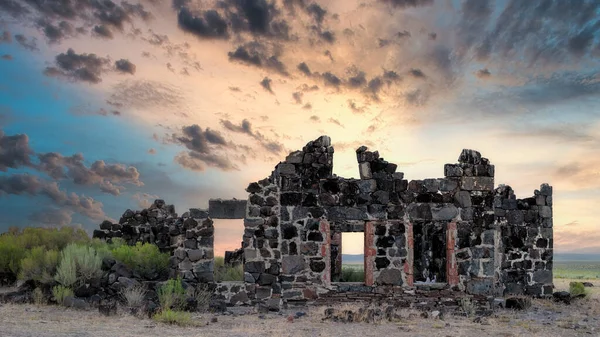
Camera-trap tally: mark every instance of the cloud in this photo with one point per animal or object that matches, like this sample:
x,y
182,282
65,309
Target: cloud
x,y
335,121
307,106
29,44
402,4
355,108
304,69
7,57
125,66
79,67
245,127
144,200
56,33
483,73
152,151
257,54
203,146
5,37
315,118
103,31
266,84
144,94
209,24
15,151
99,173
52,217
21,184
297,97
417,73
331,79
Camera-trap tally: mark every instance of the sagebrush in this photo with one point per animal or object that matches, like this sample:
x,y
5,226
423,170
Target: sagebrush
x,y
171,294
146,259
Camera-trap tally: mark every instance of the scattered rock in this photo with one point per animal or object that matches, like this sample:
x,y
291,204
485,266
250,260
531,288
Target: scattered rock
x,y
108,308
214,319
588,284
518,303
562,296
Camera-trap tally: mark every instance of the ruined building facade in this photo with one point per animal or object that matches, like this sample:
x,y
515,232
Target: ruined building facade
x,y
457,232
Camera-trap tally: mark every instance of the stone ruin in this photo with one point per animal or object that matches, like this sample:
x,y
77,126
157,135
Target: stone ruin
x,y
455,235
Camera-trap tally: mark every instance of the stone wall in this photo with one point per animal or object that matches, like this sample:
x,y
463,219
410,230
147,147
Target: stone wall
x,y
527,241
458,231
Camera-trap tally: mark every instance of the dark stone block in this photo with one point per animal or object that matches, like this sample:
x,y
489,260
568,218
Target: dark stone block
x,y
289,231
254,267
385,241
253,188
266,279
396,228
315,236
291,199
381,262
380,230
317,265
420,211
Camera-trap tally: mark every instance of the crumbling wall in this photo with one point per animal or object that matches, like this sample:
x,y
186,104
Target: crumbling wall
x,y
526,252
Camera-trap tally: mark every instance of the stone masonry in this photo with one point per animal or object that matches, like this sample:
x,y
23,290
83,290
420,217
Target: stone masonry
x,y
458,232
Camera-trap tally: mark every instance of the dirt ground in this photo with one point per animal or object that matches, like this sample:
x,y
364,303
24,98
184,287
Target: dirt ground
x,y
544,318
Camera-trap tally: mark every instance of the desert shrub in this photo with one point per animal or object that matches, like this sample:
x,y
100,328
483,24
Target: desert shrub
x,y
134,296
39,265
15,243
60,293
202,295
176,317
66,273
577,289
350,274
38,296
83,259
227,272
467,306
171,294
146,259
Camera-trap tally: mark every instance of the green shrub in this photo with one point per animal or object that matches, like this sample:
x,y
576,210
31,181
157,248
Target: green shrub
x,y
66,273
227,272
60,293
146,259
15,243
39,265
84,259
176,317
577,289
171,295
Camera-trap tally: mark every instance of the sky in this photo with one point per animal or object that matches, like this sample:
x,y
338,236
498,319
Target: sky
x,y
107,105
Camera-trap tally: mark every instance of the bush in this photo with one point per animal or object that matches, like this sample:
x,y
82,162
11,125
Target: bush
x,y
39,265
227,272
171,295
134,296
145,259
66,273
15,244
60,293
38,297
83,259
577,289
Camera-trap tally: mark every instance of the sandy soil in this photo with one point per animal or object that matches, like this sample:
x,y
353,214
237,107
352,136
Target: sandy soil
x,y
545,318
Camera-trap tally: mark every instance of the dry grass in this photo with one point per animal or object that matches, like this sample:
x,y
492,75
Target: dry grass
x,y
134,296
545,318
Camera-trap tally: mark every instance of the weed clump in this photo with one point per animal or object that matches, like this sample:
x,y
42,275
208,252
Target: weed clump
x,y
145,259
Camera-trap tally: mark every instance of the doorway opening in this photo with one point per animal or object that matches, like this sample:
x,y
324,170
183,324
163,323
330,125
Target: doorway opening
x,y
228,255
